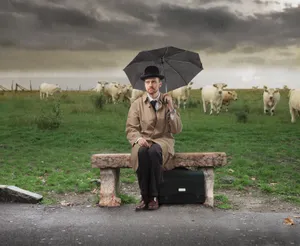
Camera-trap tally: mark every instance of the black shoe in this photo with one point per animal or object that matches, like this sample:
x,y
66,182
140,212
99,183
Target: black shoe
x,y
141,206
153,204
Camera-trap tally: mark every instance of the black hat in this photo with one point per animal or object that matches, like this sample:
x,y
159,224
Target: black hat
x,y
150,72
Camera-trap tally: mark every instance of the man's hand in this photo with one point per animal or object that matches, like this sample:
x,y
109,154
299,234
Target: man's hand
x,y
169,101
143,142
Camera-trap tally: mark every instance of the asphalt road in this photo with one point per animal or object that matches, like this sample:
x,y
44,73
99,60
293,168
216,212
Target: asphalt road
x,y
23,224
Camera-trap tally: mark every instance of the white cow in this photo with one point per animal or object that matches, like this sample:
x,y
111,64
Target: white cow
x,y
48,89
213,94
113,91
271,98
294,103
228,96
181,93
99,87
126,92
136,94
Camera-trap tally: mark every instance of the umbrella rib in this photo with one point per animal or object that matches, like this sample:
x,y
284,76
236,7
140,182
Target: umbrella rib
x,y
176,71
165,52
185,51
152,60
184,62
179,53
148,52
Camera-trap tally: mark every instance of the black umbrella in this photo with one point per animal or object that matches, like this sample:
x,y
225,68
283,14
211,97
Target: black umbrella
x,y
177,65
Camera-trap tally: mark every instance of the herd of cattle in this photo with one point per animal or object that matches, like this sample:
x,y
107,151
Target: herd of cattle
x,y
213,95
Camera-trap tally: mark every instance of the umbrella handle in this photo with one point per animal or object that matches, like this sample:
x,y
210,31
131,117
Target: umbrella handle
x,y
162,59
162,63
166,86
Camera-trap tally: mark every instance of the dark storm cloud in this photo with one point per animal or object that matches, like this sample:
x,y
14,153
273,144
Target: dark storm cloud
x,y
224,30
136,9
250,60
57,26
132,24
219,1
48,15
250,49
266,2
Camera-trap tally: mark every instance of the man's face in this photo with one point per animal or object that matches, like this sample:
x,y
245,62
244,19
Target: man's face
x,y
152,85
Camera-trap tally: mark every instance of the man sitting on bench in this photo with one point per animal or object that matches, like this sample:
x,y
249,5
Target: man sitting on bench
x,y
151,122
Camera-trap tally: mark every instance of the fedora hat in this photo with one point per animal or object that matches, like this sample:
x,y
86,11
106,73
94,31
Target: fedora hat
x,y
151,72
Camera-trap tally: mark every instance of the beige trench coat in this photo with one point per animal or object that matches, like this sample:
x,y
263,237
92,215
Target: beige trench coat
x,y
155,127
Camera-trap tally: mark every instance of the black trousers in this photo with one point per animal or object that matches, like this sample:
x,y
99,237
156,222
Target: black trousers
x,y
149,172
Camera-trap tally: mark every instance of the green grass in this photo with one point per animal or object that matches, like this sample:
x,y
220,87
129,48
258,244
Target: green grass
x,y
127,199
127,176
263,152
221,201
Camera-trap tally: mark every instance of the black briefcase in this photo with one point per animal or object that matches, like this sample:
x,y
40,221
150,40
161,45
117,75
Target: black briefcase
x,y
182,186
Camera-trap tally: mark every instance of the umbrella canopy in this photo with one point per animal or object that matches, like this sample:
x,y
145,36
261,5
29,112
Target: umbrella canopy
x,y
177,65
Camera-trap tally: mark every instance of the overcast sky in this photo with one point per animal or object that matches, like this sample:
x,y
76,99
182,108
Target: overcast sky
x,y
248,35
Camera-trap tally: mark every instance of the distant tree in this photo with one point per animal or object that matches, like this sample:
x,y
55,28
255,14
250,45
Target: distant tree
x,y
285,87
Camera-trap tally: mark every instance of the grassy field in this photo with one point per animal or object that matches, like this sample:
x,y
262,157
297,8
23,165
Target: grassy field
x,y
263,152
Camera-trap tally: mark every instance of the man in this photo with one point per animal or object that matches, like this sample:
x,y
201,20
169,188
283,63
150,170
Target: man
x,y
151,122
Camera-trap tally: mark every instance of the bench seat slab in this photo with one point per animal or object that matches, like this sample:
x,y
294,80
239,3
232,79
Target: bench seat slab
x,y
205,159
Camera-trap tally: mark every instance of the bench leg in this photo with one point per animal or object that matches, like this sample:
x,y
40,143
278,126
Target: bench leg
x,y
109,187
209,186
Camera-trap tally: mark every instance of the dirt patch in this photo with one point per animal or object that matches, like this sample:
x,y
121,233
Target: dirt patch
x,y
256,201
75,199
253,200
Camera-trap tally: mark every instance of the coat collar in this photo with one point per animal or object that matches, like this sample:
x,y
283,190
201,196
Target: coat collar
x,y
160,100
146,98
150,98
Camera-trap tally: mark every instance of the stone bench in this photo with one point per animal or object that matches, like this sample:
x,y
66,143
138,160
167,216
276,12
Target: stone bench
x,y
110,165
